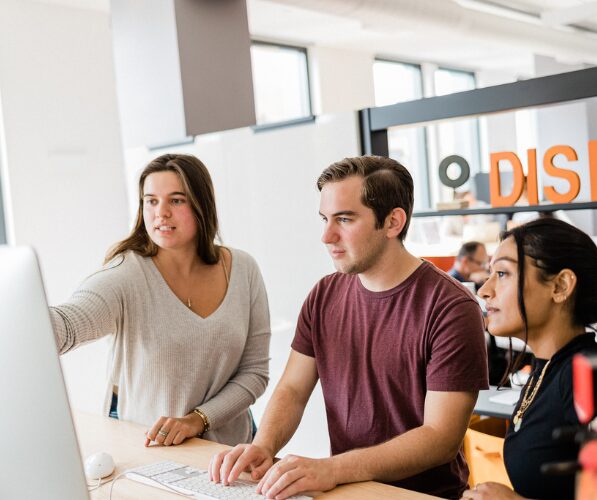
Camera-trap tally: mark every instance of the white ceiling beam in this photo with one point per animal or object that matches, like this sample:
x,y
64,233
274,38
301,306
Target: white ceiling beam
x,y
570,15
495,9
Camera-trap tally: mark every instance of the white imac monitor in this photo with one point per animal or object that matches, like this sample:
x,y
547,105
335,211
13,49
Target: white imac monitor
x,y
39,455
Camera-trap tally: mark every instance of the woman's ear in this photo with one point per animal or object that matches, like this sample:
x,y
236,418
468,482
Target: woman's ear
x,y
395,222
564,285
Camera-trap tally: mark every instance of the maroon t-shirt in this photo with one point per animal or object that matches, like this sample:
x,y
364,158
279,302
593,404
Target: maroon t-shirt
x,y
378,353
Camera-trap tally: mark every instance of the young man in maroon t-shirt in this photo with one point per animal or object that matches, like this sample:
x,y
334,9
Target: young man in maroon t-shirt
x,y
398,347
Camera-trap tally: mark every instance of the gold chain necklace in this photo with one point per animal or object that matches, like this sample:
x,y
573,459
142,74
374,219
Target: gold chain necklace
x,y
527,400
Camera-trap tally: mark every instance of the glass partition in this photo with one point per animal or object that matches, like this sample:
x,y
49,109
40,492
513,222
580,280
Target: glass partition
x,y
545,155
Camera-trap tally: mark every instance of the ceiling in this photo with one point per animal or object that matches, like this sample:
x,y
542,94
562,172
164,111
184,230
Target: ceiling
x,y
493,35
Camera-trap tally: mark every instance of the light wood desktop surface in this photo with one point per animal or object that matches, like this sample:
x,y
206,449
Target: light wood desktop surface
x,y
124,441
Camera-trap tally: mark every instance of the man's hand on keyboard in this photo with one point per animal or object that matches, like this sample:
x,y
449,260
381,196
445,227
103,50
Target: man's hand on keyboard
x,y
172,430
293,475
226,466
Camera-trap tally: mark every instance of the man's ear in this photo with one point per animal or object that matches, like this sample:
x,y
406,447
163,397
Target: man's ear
x,y
395,222
564,284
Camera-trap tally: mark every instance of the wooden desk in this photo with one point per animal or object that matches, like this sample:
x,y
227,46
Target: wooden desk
x,y
124,441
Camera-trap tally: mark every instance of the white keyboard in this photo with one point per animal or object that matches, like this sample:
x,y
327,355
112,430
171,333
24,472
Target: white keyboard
x,y
194,482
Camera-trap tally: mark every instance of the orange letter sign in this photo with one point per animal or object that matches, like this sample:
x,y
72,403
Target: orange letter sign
x,y
569,175
532,194
495,188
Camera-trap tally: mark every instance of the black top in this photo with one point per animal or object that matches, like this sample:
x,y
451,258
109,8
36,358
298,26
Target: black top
x,y
526,450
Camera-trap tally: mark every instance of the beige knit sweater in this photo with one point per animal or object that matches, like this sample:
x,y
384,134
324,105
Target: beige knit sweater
x,y
167,360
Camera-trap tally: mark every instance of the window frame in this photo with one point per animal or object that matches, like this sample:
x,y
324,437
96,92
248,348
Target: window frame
x,y
455,70
310,117
417,66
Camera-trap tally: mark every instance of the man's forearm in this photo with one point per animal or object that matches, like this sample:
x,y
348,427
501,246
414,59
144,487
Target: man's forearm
x,y
411,453
281,419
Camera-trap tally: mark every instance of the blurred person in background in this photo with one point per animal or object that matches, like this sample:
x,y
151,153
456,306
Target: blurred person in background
x,y
471,264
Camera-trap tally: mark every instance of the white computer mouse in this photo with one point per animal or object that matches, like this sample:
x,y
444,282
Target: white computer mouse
x,y
99,465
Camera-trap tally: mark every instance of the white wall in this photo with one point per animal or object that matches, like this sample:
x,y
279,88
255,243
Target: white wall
x,y
342,80
62,155
592,124
497,131
565,124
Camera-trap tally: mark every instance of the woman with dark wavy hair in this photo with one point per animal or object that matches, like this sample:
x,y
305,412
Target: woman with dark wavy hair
x,y
542,289
188,318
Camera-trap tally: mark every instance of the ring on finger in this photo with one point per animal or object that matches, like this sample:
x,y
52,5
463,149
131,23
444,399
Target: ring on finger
x,y
162,432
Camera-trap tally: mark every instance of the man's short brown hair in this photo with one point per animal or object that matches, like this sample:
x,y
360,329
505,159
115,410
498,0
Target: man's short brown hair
x,y
386,185
468,249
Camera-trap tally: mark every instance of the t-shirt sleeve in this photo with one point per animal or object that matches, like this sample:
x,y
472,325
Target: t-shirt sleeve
x,y
303,337
458,356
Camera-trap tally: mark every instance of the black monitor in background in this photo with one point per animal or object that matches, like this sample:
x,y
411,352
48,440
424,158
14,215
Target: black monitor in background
x,y
481,185
41,457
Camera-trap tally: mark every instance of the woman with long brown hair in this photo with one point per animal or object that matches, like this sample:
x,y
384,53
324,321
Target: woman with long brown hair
x,y
542,289
189,319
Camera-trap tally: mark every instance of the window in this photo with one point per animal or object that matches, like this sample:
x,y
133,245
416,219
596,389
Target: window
x,y
448,81
280,82
397,82
459,137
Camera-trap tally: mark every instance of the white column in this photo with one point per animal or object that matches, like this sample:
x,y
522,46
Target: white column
x,y
62,160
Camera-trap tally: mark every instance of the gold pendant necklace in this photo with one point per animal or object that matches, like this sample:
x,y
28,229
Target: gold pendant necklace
x,y
189,303
191,281
527,400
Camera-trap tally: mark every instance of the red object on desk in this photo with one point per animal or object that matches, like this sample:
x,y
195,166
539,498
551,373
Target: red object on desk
x,y
584,396
443,262
584,368
588,456
586,486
